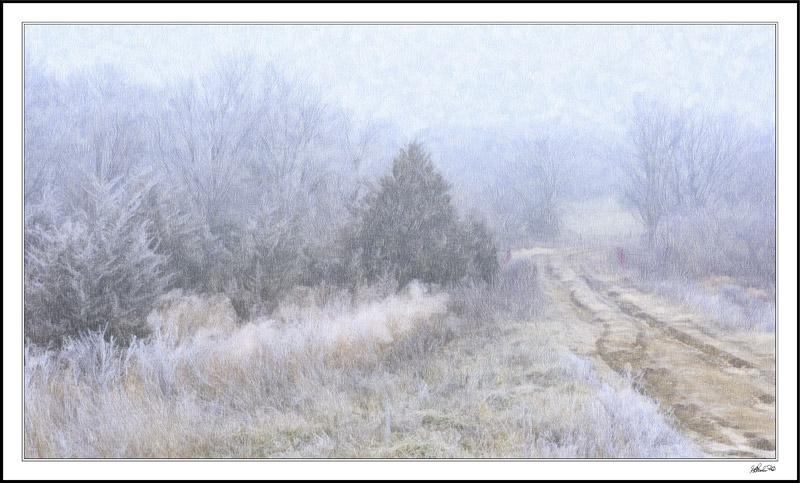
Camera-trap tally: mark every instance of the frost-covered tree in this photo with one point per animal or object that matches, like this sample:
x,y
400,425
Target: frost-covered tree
x,y
649,161
205,135
98,268
536,181
679,161
46,128
254,151
702,185
409,228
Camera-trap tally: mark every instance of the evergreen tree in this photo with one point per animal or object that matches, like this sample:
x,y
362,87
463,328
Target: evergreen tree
x,y
409,228
98,269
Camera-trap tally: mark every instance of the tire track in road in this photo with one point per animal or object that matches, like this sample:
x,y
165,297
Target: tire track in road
x,y
717,394
636,312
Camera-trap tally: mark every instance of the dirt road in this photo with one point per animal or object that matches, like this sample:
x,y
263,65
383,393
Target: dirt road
x,y
719,386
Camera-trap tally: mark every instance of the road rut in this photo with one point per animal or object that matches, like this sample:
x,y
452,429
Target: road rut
x,y
718,386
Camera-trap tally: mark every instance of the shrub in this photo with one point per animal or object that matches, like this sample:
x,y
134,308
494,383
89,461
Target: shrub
x,y
267,260
481,250
738,243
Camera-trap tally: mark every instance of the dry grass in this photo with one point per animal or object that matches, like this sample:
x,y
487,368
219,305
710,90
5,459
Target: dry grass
x,y
413,375
182,317
730,306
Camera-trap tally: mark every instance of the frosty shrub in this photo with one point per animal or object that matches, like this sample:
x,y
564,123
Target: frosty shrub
x,y
95,269
267,260
739,243
410,229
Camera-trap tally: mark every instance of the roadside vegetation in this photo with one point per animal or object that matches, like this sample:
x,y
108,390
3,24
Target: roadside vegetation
x,y
230,267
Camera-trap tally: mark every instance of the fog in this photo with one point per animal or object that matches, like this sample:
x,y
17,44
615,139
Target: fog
x,y
252,159
435,76
306,181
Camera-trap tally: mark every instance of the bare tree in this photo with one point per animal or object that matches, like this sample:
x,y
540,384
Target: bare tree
x,y
710,152
289,166
537,181
206,134
46,128
649,165
679,161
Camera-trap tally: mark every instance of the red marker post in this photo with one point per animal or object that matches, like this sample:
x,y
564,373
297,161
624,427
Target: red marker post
x,y
622,258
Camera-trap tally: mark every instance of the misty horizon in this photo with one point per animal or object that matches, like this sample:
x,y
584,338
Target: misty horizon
x,y
435,76
528,241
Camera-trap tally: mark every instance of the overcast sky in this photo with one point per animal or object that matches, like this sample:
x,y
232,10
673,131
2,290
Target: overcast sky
x,y
424,76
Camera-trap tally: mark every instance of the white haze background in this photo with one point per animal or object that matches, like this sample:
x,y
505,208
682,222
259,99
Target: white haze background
x,y
429,76
725,68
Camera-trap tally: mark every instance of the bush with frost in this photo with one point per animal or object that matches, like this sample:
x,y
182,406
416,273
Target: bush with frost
x,y
95,269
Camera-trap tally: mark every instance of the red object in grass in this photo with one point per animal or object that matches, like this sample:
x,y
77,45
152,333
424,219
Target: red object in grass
x,y
621,257
506,257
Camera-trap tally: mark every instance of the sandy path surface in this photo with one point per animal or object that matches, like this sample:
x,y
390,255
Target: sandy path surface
x,y
719,386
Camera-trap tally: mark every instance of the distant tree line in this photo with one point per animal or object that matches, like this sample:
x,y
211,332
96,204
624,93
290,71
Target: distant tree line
x,y
702,184
243,181
240,181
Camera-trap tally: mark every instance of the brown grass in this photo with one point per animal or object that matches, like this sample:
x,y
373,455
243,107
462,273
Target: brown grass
x,y
420,374
182,317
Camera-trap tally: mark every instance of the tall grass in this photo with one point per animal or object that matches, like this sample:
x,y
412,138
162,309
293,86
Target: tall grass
x,y
730,306
476,372
93,398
